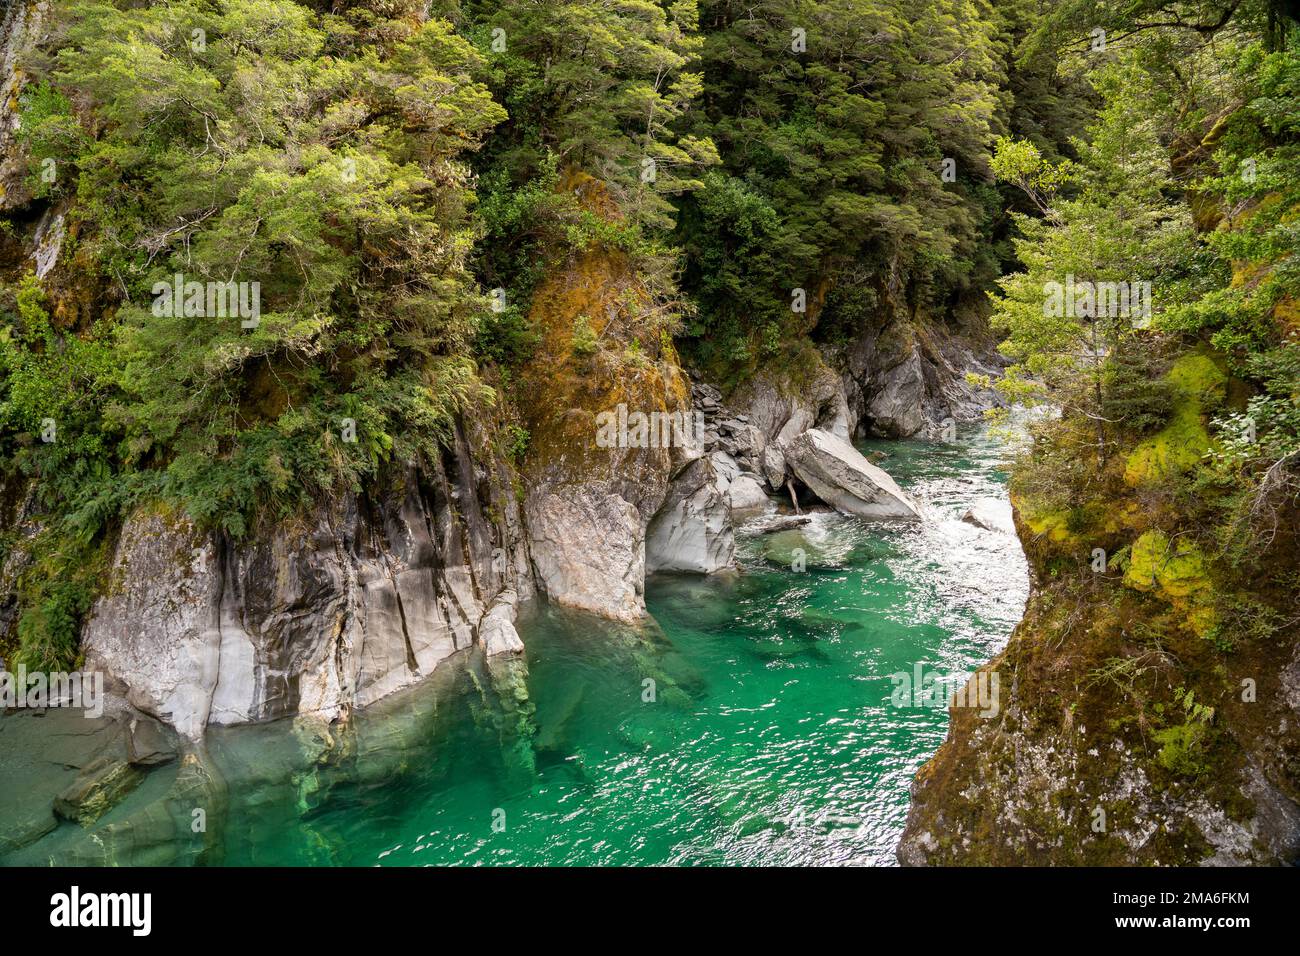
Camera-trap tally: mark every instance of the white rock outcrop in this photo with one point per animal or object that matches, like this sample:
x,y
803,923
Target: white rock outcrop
x,y
588,548
316,618
747,495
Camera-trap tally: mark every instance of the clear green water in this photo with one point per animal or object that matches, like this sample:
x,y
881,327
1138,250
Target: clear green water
x,y
771,738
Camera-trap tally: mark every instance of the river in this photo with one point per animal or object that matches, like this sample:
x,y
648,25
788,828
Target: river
x,y
753,725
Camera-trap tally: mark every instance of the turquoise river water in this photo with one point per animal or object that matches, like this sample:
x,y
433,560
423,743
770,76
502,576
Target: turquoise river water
x,y
752,725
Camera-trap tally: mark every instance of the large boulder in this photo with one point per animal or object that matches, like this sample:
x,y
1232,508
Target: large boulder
x,y
839,475
747,495
774,467
780,409
692,531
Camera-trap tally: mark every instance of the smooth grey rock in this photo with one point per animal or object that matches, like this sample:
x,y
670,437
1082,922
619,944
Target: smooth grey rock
x,y
158,628
148,743
905,376
497,629
693,529
774,467
747,494
588,506
837,473
895,408
726,469
588,548
780,411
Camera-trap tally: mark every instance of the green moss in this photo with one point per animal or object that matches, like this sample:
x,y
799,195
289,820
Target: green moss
x,y
1177,448
1153,565
1055,524
1196,377
584,336
55,592
1177,572
1181,748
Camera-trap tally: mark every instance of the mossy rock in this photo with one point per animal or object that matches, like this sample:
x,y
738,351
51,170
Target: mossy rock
x,y
1177,448
1054,524
1287,315
1123,516
1176,572
1196,377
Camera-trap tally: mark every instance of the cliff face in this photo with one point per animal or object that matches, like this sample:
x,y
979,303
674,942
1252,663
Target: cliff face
x,y
590,499
905,373
333,611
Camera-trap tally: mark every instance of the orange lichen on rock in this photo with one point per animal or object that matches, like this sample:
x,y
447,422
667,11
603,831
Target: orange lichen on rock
x,y
597,349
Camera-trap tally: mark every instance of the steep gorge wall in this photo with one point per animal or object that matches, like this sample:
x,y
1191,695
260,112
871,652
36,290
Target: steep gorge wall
x,y
315,617
588,503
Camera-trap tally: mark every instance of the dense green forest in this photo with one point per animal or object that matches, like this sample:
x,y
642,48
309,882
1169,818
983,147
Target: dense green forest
x,y
400,186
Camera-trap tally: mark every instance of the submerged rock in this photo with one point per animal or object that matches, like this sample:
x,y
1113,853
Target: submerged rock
x,y
837,473
99,788
772,523
794,550
22,829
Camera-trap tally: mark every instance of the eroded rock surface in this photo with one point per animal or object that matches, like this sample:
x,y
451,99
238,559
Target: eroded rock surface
x,y
904,376
360,598
693,529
